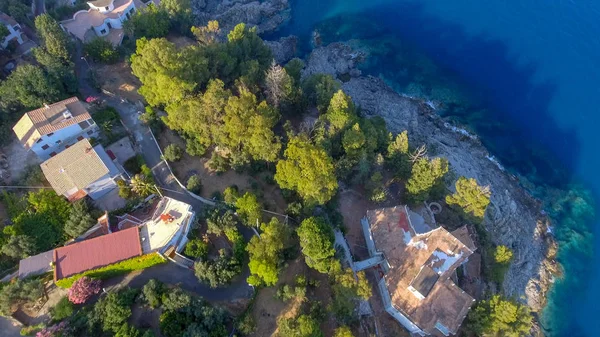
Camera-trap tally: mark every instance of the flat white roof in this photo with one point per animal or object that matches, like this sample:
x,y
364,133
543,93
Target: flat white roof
x,y
169,219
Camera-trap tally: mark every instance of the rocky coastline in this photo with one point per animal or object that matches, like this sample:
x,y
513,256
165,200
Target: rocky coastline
x,y
267,16
514,218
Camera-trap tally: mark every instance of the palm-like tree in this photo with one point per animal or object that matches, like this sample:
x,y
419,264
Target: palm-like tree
x,y
142,185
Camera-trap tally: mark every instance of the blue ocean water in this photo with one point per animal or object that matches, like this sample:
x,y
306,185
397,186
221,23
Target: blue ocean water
x,y
525,76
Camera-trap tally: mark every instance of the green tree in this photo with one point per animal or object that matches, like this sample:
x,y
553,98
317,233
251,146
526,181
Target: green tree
x,y
252,55
200,118
266,253
180,13
301,326
341,112
63,309
173,152
29,87
161,69
398,155
60,72
343,331
19,246
151,22
53,38
319,89
294,69
194,184
175,299
79,220
219,221
503,255
101,50
316,240
127,330
196,248
248,127
114,309
207,34
470,197
3,32
152,292
218,272
500,317
426,176
249,208
308,170
354,141
347,290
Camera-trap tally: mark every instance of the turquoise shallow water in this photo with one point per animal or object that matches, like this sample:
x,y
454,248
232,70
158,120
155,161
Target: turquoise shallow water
x,y
526,77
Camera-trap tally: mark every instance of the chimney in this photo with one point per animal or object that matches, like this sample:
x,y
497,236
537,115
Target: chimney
x,y
67,114
46,106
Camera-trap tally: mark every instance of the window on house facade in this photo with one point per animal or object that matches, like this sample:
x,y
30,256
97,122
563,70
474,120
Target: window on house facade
x,y
39,140
52,154
50,134
80,138
58,141
106,7
91,132
67,146
103,31
45,146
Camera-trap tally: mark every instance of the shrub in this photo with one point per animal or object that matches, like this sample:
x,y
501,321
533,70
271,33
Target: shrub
x,y
133,165
153,291
124,190
218,272
173,152
196,248
82,289
499,317
101,50
218,163
194,184
231,195
62,310
119,268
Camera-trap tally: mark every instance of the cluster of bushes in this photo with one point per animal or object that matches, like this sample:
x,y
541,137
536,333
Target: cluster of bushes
x,y
119,268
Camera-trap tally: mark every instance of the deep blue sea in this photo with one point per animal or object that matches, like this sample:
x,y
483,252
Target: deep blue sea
x,y
525,76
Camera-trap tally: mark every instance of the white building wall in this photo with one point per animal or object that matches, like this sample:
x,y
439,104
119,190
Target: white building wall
x,y
64,136
114,23
106,9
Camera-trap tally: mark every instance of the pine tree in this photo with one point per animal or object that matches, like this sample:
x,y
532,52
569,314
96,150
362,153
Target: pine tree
x,y
79,220
426,175
470,197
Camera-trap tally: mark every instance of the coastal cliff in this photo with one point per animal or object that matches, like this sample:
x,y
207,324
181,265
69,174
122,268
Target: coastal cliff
x,y
514,218
267,16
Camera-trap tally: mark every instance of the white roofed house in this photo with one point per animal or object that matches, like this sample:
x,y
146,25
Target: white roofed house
x,y
81,170
53,128
104,18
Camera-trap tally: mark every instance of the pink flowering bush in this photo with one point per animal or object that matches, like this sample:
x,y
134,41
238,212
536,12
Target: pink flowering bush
x,y
91,99
52,331
83,289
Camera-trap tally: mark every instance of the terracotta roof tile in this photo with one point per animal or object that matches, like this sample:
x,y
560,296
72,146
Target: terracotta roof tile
x,y
408,253
48,119
97,252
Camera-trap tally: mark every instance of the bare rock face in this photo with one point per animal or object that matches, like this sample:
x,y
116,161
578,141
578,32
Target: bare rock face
x,y
267,15
513,219
283,49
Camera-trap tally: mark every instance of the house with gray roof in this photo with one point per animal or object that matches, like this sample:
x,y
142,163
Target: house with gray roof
x,y
81,170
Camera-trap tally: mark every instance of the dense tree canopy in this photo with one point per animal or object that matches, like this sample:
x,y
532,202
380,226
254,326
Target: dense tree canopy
x,y
308,170
53,38
30,87
159,66
79,220
500,317
341,113
266,253
470,197
218,272
151,22
316,240
301,326
426,176
398,155
249,209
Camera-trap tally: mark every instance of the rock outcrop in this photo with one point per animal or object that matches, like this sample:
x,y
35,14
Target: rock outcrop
x,y
514,218
283,49
267,15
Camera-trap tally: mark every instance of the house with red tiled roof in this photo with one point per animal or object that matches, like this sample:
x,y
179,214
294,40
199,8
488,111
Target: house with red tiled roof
x,y
97,252
416,263
49,130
